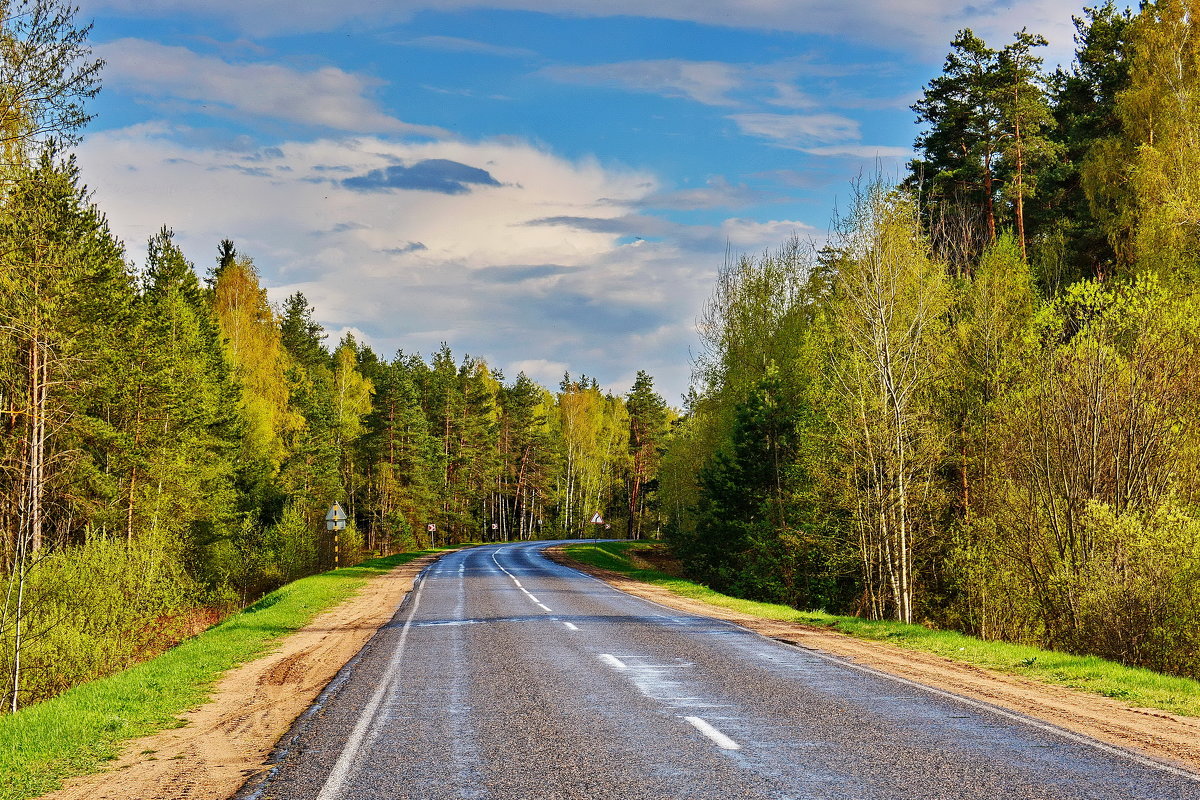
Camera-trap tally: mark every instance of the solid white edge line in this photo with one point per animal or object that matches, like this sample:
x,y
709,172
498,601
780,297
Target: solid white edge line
x,y
1128,755
715,736
358,736
613,661
1000,712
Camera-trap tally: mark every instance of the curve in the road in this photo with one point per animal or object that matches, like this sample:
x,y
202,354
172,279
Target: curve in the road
x,y
506,675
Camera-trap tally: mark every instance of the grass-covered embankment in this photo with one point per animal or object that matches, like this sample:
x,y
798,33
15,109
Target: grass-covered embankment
x,y
1139,687
74,733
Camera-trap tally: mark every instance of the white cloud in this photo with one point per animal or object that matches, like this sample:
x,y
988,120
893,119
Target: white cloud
x,y
547,373
542,297
798,130
325,97
707,82
860,151
453,44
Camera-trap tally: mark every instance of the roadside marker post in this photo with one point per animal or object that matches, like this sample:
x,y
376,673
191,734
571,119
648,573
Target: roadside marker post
x,y
335,520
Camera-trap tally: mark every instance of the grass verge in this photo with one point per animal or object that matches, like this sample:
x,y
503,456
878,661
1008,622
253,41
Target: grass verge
x,y
73,733
1138,687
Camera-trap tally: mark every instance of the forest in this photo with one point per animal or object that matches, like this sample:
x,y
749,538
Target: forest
x,y
170,441
975,406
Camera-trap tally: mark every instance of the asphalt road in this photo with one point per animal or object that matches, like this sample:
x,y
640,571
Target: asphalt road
x,y
505,675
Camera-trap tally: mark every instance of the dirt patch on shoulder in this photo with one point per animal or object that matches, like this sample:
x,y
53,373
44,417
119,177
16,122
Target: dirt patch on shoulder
x,y
655,557
228,739
1156,734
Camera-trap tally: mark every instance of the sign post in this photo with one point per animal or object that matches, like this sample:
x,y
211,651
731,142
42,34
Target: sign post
x,y
597,521
431,529
335,520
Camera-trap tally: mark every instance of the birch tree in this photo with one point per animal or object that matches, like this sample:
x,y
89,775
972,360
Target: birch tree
x,y
889,302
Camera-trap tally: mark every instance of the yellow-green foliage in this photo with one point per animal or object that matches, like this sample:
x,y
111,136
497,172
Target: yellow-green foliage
x,y
93,609
254,346
1144,183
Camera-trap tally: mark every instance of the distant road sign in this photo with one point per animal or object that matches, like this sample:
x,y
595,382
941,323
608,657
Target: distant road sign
x,y
431,527
597,520
335,519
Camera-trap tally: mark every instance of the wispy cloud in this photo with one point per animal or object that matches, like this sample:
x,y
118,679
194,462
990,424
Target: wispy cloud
x,y
325,97
707,82
799,130
919,26
861,151
453,44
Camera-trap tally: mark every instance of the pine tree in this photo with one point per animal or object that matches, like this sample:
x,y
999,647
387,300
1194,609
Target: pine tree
x,y
1025,119
648,426
963,139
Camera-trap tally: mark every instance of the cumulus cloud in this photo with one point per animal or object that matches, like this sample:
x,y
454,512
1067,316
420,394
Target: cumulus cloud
x,y
431,175
539,267
325,97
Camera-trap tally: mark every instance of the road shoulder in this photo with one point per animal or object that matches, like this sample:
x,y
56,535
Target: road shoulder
x,y
227,740
1155,734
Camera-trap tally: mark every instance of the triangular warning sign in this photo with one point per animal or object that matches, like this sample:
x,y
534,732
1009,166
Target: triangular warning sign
x,y
597,520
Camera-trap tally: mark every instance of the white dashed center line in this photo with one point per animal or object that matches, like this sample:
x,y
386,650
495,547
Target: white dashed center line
x,y
571,626
715,736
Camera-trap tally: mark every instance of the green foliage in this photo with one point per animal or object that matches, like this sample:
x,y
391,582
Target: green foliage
x,y
990,441
96,608
85,726
1143,180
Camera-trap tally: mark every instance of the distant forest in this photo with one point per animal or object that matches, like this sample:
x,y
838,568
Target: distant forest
x,y
978,405
169,444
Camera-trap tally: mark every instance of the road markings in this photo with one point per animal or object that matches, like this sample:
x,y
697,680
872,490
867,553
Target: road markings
x,y
571,626
713,735
1000,712
513,578
613,661
366,721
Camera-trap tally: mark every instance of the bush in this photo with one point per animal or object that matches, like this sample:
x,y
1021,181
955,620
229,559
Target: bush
x,y
93,609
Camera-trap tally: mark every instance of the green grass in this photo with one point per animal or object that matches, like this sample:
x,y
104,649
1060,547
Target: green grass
x,y
74,733
1139,687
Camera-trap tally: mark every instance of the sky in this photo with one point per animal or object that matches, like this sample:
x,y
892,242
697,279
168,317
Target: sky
x,y
551,185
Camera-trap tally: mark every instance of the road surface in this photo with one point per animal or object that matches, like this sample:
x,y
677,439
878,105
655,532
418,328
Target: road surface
x,y
505,675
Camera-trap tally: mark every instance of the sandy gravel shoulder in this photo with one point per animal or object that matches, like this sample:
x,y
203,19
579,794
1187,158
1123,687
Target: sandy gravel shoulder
x,y
228,739
1158,735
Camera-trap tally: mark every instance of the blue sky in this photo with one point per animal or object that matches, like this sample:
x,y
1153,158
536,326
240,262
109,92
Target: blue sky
x,y
549,184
